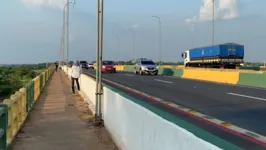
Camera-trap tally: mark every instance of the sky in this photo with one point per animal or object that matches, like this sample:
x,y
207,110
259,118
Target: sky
x,y
31,29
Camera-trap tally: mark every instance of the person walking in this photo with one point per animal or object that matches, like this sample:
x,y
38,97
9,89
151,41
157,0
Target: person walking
x,y
56,66
75,74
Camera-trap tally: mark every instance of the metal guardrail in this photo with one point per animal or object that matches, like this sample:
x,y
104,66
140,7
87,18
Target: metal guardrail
x,y
14,111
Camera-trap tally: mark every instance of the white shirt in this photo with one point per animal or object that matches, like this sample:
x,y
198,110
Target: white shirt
x,y
76,71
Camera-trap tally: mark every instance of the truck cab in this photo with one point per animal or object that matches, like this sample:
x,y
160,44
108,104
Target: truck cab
x,y
185,56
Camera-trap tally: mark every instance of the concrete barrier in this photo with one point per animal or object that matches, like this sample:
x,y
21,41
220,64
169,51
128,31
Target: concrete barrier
x,y
129,68
87,87
252,79
136,125
119,68
229,77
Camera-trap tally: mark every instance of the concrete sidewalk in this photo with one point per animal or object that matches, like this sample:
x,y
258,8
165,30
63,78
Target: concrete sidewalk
x,y
61,121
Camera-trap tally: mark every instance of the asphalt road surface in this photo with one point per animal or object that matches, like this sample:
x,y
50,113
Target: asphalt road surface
x,y
242,106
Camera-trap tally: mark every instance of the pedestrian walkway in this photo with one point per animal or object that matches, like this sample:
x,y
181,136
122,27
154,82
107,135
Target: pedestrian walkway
x,y
61,121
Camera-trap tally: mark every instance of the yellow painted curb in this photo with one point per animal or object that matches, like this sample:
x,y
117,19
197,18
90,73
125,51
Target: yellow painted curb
x,y
230,77
226,124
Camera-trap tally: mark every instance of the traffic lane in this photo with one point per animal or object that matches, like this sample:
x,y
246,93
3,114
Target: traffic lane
x,y
234,90
211,90
241,111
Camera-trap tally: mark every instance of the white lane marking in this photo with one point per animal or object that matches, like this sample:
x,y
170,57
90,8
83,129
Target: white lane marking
x,y
163,81
129,75
246,96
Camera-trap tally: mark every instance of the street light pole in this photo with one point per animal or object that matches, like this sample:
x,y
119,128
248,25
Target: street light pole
x,y
64,29
134,51
67,34
118,46
63,37
212,22
160,39
99,48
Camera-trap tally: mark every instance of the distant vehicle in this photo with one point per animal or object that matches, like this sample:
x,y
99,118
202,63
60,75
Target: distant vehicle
x,y
145,66
90,66
108,66
84,64
229,55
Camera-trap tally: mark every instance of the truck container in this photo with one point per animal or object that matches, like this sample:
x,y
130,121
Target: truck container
x,y
227,55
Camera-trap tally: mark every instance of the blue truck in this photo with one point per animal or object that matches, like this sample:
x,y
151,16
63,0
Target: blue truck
x,y
228,55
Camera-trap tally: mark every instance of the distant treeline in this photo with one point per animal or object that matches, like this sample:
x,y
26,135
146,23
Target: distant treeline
x,y
132,63
13,77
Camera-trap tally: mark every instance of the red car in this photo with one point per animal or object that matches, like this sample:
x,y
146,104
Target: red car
x,y
108,66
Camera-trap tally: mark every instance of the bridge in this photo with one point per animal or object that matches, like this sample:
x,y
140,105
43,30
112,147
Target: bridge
x,y
182,108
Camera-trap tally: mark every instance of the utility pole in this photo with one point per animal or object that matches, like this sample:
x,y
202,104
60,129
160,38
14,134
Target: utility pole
x,y
62,46
99,50
160,40
134,43
212,22
64,29
67,34
118,46
63,35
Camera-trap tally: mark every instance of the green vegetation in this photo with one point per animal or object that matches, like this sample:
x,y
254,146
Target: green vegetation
x,y
14,77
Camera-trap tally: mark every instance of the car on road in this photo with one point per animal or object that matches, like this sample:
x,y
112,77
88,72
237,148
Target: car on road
x,y
84,64
145,66
90,66
108,66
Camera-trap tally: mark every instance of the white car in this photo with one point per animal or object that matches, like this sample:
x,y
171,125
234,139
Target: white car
x,y
144,66
90,66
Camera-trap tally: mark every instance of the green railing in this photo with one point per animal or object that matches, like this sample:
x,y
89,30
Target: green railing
x,y
30,95
3,125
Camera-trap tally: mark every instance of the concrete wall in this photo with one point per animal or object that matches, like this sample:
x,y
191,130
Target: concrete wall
x,y
135,127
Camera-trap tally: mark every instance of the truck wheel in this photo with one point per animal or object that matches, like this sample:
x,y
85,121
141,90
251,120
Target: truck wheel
x,y
156,73
136,72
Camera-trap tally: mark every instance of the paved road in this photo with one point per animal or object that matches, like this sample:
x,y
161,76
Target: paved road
x,y
243,106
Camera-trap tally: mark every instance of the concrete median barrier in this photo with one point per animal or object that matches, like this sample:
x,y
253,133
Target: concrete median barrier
x,y
119,68
129,69
230,77
252,79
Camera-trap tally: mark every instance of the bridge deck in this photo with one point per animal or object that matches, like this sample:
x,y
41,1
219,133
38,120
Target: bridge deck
x,y
61,121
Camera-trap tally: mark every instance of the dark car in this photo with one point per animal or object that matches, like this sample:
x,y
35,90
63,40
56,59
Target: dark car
x,y
84,64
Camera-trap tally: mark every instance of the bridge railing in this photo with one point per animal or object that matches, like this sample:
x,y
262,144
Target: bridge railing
x,y
14,111
3,125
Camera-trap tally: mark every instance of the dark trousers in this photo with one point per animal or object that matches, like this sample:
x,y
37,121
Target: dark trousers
x,y
56,67
73,84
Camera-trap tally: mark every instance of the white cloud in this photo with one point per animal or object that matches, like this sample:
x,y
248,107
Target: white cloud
x,y
226,9
52,3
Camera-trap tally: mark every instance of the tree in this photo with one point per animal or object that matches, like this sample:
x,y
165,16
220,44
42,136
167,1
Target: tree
x,y
31,74
21,71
